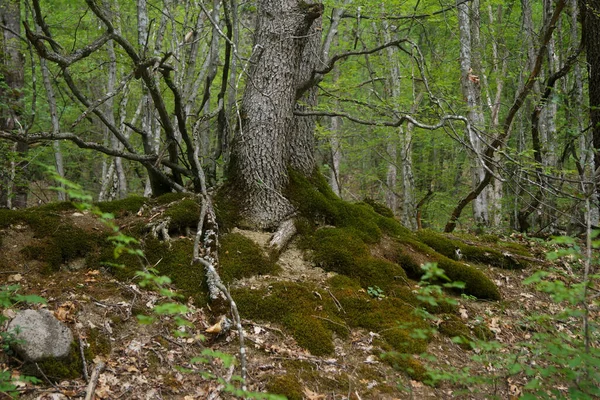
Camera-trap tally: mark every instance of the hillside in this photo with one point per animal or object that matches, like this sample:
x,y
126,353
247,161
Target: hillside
x,y
317,316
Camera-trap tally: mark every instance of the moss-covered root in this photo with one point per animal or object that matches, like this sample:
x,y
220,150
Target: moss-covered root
x,y
286,385
411,254
481,254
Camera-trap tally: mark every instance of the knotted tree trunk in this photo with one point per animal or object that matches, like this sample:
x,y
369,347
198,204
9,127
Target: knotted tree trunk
x,y
269,138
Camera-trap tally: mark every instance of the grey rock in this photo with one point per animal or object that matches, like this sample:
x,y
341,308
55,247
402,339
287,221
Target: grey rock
x,y
40,335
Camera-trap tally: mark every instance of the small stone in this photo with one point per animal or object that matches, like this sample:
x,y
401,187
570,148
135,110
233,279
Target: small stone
x,y
40,335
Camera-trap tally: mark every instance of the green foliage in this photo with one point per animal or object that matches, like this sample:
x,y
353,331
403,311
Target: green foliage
x,y
375,292
241,257
556,363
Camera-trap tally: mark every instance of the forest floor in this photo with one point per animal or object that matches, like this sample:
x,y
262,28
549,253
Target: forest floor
x,y
150,362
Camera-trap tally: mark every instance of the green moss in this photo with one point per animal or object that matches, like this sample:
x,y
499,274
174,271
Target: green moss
x,y
411,254
227,208
184,214
127,206
286,385
342,282
240,257
481,254
43,223
99,343
482,332
316,202
70,367
452,326
173,259
56,207
169,198
407,364
65,243
393,318
310,333
295,307
343,251
379,208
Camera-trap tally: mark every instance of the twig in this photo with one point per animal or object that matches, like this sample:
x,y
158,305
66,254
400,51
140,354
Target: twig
x,y
45,377
336,301
333,322
94,380
83,361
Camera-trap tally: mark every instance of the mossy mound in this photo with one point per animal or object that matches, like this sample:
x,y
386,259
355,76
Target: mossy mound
x,y
227,208
64,244
342,250
240,258
345,248
57,206
174,259
480,254
286,385
312,317
318,205
41,222
127,206
168,198
294,306
184,215
411,254
452,326
379,208
407,364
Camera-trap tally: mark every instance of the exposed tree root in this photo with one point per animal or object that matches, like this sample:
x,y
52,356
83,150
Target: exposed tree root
x,y
283,235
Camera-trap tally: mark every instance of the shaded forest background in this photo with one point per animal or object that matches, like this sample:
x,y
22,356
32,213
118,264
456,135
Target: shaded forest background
x,y
419,103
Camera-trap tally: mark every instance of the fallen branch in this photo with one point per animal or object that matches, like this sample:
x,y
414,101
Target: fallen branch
x,y
91,388
83,361
208,234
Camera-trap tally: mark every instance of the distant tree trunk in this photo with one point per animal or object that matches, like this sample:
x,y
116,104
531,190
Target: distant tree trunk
x,y
12,75
261,154
51,98
470,68
335,143
590,11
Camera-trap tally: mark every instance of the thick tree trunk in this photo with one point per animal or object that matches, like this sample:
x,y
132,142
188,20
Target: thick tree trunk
x,y
11,73
260,161
590,10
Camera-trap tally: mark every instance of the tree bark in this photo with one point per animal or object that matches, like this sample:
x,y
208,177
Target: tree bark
x,y
470,68
261,156
590,13
11,72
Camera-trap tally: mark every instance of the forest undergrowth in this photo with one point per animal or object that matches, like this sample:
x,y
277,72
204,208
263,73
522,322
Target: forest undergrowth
x,y
345,311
